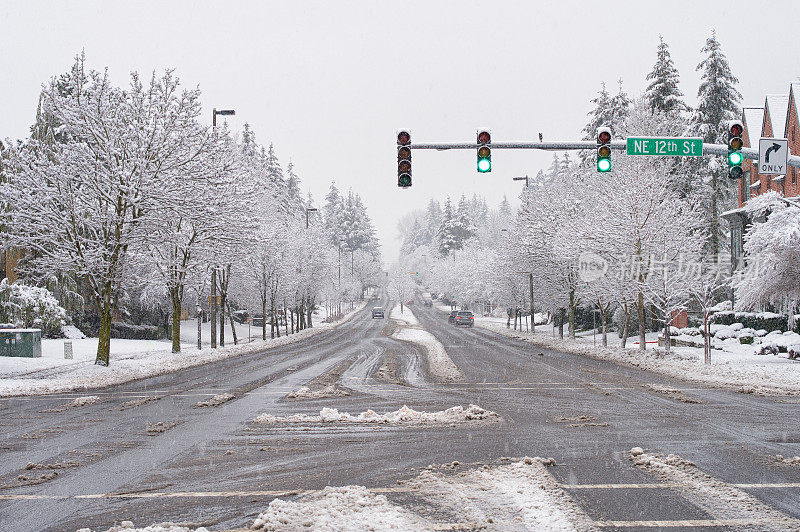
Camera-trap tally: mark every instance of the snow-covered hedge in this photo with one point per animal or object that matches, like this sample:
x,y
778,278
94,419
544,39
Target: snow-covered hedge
x,y
753,320
31,306
136,332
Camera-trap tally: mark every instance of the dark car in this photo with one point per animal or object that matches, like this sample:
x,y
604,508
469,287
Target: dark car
x,y
377,312
464,317
452,317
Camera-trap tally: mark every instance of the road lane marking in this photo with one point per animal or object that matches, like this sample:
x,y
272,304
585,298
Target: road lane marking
x,y
393,489
693,523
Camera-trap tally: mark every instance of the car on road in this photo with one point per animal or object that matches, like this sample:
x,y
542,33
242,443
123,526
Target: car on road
x,y
464,317
452,317
377,312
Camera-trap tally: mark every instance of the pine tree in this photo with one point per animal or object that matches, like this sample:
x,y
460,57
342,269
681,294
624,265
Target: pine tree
x,y
331,212
619,108
718,101
433,219
601,115
663,93
294,196
445,237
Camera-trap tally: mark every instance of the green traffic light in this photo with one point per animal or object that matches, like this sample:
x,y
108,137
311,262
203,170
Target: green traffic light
x,y
404,181
734,158
484,165
603,165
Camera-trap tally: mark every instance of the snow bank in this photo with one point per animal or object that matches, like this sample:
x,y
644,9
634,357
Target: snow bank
x,y
304,392
739,368
517,496
27,376
83,401
719,499
440,364
128,526
405,416
344,508
217,400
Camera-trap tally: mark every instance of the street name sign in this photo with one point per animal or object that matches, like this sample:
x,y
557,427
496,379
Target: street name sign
x,y
773,156
675,146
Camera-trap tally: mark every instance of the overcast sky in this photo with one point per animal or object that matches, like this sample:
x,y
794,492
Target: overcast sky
x,y
329,82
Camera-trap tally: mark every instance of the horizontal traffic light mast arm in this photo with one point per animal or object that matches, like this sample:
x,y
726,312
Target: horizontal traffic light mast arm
x,y
708,149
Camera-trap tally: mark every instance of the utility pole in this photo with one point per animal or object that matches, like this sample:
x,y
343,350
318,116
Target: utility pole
x,y
530,274
213,302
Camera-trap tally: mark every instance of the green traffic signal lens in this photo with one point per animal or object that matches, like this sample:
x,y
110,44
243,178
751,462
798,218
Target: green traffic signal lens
x,y
404,181
734,158
484,165
603,165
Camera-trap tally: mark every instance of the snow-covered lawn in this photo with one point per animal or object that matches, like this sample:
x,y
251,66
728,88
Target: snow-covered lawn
x,y
739,368
440,364
130,360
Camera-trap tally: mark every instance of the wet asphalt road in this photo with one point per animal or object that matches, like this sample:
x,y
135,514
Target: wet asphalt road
x,y
584,413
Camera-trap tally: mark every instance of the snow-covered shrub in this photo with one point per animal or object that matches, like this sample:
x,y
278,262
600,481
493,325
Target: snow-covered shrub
x,y
752,320
767,349
746,338
724,334
761,332
737,326
136,332
794,351
31,307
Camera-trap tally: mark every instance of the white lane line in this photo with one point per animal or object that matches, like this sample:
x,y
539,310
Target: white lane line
x,y
693,523
393,489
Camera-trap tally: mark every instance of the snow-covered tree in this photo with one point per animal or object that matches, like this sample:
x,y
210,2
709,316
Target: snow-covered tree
x,y
663,94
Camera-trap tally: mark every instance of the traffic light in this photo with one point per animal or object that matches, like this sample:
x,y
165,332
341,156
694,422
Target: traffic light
x,y
403,159
484,151
603,149
735,144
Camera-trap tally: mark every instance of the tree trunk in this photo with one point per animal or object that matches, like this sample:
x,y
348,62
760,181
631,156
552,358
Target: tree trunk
x,y
199,326
642,334
706,340
604,320
285,318
233,326
627,327
104,342
223,301
572,313
264,319
561,317
213,308
667,322
176,322
310,312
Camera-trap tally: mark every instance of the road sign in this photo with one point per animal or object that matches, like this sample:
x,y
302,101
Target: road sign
x,y
773,156
676,146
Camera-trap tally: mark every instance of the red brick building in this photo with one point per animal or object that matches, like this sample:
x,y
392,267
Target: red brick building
x,y
778,118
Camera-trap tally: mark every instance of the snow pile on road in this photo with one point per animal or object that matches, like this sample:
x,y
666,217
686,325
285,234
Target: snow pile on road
x,y
721,500
440,364
34,376
217,400
740,371
404,415
304,392
343,508
128,526
84,401
517,496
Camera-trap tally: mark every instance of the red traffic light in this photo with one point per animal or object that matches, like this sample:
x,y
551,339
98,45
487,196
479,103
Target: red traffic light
x,y
403,137
484,137
736,129
604,137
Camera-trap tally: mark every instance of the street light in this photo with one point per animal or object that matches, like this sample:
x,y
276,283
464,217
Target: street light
x,y
522,179
308,210
213,302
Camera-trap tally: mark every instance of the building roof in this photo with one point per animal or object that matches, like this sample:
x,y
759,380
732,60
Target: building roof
x,y
778,105
753,120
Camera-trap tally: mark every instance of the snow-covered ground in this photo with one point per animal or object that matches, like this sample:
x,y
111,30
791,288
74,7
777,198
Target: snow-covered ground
x,y
402,416
738,368
440,365
130,360
517,496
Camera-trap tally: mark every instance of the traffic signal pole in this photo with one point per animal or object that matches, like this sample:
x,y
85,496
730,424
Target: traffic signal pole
x,y
619,145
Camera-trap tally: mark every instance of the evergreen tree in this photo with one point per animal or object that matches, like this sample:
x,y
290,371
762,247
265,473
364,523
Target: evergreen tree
x,y
464,228
601,115
433,220
331,213
663,93
294,196
505,207
718,101
619,108
446,235
249,146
